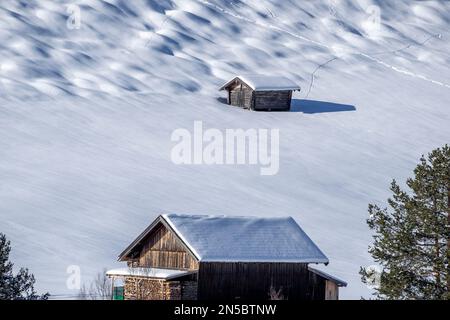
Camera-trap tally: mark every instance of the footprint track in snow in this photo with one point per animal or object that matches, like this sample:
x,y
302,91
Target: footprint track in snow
x,y
323,45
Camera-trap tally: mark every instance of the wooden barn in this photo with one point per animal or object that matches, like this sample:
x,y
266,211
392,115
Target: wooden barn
x,y
193,257
260,93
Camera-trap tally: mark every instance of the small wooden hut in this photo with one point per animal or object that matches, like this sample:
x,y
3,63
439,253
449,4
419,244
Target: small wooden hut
x,y
260,93
190,257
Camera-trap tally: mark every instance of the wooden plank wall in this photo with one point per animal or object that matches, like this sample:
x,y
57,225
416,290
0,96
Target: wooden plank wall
x,y
253,281
273,100
162,249
331,291
241,97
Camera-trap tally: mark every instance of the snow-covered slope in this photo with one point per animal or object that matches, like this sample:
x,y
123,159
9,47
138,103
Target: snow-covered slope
x,y
86,117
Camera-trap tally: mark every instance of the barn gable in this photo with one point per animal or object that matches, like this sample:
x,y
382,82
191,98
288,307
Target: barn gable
x,y
159,247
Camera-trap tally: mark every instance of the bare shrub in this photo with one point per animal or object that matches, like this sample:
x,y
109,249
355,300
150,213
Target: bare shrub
x,y
275,295
99,289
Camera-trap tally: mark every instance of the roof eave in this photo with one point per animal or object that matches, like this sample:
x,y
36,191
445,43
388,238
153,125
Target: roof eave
x,y
219,260
279,89
226,85
118,273
337,281
187,245
132,245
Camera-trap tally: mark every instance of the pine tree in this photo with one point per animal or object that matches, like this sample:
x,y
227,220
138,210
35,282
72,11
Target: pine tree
x,y
412,238
19,286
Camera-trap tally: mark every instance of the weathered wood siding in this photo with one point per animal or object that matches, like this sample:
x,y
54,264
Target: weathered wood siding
x,y
241,95
272,100
316,286
162,249
253,281
331,291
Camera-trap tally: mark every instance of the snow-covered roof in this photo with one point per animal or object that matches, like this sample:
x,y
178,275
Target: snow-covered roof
x,y
265,83
147,273
245,239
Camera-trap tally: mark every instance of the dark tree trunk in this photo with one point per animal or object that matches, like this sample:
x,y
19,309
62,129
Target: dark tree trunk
x,y
448,234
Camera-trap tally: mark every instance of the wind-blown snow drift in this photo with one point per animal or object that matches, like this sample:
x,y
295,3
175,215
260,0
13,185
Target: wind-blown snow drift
x,y
86,117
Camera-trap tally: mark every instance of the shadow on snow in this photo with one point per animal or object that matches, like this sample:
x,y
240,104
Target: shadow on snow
x,y
311,106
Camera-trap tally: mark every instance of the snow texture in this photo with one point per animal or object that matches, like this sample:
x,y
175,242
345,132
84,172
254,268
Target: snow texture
x,y
265,83
245,239
86,116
